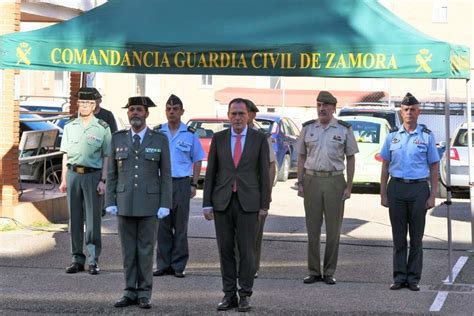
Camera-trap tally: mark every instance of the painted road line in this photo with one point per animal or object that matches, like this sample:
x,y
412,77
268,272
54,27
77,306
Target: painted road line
x,y
439,301
457,268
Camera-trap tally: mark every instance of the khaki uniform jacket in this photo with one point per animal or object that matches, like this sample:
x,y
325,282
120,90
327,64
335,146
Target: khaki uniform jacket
x,y
253,180
139,183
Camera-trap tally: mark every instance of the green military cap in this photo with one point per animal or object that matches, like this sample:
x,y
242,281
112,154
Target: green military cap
x,y
409,99
326,97
145,101
252,107
86,93
174,100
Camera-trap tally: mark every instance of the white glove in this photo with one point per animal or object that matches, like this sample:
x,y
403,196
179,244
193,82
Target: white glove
x,y
113,210
163,212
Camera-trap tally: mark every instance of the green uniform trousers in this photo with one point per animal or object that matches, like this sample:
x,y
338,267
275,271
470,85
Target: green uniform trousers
x,y
138,237
84,205
323,198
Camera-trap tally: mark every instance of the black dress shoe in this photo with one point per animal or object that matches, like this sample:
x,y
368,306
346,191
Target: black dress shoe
x,y
94,269
161,272
75,267
312,279
414,286
255,276
180,274
144,303
244,304
227,303
124,302
396,286
329,280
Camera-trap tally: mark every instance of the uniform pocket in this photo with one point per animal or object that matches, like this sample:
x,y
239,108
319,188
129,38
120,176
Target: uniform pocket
x,y
121,155
152,156
395,146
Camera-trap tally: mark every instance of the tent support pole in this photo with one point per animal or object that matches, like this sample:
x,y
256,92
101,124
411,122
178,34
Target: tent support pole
x,y
448,180
470,157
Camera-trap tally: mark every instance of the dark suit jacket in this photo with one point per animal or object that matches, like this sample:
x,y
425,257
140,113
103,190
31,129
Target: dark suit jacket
x,y
139,183
253,180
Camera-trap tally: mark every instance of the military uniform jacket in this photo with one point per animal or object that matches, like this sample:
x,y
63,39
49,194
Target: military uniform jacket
x,y
139,182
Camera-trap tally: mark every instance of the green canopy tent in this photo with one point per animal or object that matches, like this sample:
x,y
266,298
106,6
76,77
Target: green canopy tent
x,y
325,38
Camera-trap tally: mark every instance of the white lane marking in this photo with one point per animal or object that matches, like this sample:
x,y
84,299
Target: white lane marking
x,y
439,301
443,295
457,267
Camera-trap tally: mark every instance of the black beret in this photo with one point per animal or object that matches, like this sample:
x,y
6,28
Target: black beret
x,y
326,97
145,101
252,107
86,93
174,100
409,99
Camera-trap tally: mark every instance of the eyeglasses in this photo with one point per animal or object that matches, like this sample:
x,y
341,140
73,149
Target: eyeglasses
x,y
85,104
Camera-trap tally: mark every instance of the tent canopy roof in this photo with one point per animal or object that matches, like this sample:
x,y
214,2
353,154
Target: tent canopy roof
x,y
329,38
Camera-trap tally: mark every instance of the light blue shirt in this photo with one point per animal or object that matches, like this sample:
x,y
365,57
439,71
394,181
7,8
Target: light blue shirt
x,y
410,154
233,139
185,149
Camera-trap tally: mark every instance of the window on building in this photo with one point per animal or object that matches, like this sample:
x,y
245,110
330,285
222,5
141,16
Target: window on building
x,y
206,80
140,81
437,85
440,11
275,82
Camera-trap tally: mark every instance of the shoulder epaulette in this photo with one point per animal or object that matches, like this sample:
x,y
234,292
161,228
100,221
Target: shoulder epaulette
x,y
121,131
104,123
308,122
191,129
158,131
344,123
69,121
394,129
157,127
426,130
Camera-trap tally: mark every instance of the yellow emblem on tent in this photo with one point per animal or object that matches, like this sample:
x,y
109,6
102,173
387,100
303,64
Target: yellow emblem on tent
x,y
22,52
422,59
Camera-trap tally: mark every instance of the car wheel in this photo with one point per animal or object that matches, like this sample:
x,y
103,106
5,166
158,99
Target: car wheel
x,y
284,169
442,192
53,174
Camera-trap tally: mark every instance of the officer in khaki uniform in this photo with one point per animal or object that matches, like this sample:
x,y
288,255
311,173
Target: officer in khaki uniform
x,y
86,146
322,147
138,191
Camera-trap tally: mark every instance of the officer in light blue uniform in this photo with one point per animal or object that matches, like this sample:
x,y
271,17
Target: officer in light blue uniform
x,y
411,159
186,155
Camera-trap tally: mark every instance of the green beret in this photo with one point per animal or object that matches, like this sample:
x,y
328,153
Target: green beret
x,y
326,97
145,101
409,99
252,107
86,93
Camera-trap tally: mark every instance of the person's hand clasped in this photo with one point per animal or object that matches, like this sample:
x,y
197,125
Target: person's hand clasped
x,y
101,188
163,212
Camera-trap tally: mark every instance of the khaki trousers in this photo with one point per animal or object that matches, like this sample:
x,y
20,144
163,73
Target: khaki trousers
x,y
323,198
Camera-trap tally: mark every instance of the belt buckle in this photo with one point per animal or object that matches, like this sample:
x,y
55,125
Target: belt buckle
x,y
80,170
324,173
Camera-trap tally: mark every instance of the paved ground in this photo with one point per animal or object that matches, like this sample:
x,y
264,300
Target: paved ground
x,y
32,278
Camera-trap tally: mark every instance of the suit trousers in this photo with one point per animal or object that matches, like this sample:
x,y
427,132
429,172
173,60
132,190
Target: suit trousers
x,y
137,236
323,199
84,206
235,224
172,249
407,214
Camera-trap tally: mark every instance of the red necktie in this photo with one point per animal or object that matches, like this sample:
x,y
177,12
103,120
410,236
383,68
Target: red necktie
x,y
237,155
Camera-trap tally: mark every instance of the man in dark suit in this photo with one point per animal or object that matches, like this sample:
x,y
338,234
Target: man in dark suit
x,y
236,193
139,190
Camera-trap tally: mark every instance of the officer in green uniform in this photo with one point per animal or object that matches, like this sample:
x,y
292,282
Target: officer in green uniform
x,y
322,147
139,189
86,146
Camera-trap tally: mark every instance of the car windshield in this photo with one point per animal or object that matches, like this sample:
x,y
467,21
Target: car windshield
x,y
461,138
205,129
366,132
266,125
389,116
